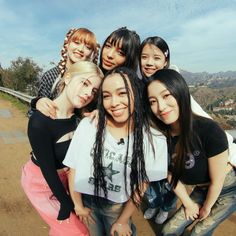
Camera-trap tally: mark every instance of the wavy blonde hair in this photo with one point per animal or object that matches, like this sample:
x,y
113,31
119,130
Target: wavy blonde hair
x,y
78,68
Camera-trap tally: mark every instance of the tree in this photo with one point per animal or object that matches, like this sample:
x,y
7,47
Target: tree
x,y
23,75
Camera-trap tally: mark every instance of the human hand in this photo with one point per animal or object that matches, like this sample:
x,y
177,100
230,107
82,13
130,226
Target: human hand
x,y
47,107
204,213
192,211
121,229
93,116
84,214
67,221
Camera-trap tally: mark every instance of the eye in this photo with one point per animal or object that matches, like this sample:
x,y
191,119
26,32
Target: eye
x,y
152,102
107,45
123,93
165,96
144,57
157,58
85,83
105,96
121,53
88,46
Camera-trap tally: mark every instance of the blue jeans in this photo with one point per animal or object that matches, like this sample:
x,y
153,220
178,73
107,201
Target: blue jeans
x,y
223,207
160,195
105,214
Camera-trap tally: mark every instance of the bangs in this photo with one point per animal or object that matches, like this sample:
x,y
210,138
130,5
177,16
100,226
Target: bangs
x,y
119,40
86,37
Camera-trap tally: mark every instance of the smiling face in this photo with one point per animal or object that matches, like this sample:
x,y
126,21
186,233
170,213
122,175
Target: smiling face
x,y
152,60
81,89
163,104
79,51
115,99
112,55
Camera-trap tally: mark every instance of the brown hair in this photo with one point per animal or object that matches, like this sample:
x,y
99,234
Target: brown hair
x,y
73,35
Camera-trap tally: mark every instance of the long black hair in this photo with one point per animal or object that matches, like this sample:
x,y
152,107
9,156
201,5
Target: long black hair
x,y
175,83
139,121
130,46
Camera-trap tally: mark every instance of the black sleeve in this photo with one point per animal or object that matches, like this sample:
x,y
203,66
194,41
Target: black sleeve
x,y
41,143
216,140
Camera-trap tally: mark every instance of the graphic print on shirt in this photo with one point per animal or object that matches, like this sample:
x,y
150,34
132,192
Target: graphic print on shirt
x,y
113,165
191,159
108,171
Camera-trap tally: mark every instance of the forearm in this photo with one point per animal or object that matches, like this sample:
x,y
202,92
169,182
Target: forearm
x,y
127,212
75,196
213,194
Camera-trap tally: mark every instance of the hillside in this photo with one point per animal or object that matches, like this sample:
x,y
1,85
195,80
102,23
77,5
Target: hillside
x,y
213,80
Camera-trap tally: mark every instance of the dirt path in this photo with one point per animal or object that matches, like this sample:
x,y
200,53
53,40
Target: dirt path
x,y
17,217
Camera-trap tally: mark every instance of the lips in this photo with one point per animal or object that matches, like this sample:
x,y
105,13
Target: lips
x,y
118,112
165,114
107,63
79,55
82,99
149,70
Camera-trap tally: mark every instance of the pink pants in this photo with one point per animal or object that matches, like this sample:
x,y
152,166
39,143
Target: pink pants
x,y
41,197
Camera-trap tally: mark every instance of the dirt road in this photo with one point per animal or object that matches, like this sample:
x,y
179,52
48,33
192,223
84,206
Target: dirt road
x,y
17,217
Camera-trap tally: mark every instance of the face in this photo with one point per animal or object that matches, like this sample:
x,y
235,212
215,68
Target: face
x,y
79,51
163,105
81,89
115,99
112,55
152,59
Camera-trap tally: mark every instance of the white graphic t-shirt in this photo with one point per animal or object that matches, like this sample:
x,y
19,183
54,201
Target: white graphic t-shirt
x,y
80,157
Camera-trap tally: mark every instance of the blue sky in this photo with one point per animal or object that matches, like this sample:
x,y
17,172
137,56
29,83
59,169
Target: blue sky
x,y
201,33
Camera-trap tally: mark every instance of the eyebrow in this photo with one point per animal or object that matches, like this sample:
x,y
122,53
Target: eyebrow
x,y
118,89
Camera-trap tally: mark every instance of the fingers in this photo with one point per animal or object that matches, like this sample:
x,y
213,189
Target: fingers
x,y
87,220
62,221
47,107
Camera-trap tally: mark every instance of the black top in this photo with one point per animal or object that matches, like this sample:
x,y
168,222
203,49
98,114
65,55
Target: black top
x,y
213,141
43,135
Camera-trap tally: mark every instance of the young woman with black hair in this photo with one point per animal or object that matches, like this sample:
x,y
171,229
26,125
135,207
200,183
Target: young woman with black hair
x,y
121,48
155,55
199,157
116,159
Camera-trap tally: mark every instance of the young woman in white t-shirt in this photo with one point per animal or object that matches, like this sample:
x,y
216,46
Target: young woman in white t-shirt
x,y
111,163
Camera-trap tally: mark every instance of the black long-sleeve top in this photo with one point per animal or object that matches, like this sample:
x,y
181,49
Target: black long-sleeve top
x,y
43,133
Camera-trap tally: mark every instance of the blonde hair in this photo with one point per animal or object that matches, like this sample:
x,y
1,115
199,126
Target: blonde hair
x,y
78,68
83,35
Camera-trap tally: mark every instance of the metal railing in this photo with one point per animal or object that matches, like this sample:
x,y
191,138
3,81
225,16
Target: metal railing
x,y
22,96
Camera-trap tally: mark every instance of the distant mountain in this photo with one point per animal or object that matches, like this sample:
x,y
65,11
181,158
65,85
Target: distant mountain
x,y
213,80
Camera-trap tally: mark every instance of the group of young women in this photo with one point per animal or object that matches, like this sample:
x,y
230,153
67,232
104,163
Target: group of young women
x,y
148,136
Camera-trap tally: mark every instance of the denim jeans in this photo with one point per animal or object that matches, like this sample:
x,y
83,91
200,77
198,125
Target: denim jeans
x,y
160,195
105,214
223,207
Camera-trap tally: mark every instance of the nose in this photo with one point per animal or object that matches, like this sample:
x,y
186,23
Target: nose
x,y
114,101
81,47
110,53
161,105
150,61
88,92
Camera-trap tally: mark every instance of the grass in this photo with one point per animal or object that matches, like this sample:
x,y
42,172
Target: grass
x,y
22,106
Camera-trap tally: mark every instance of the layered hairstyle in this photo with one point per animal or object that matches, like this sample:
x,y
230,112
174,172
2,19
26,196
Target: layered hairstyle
x,y
159,43
139,121
178,88
130,46
78,68
73,35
